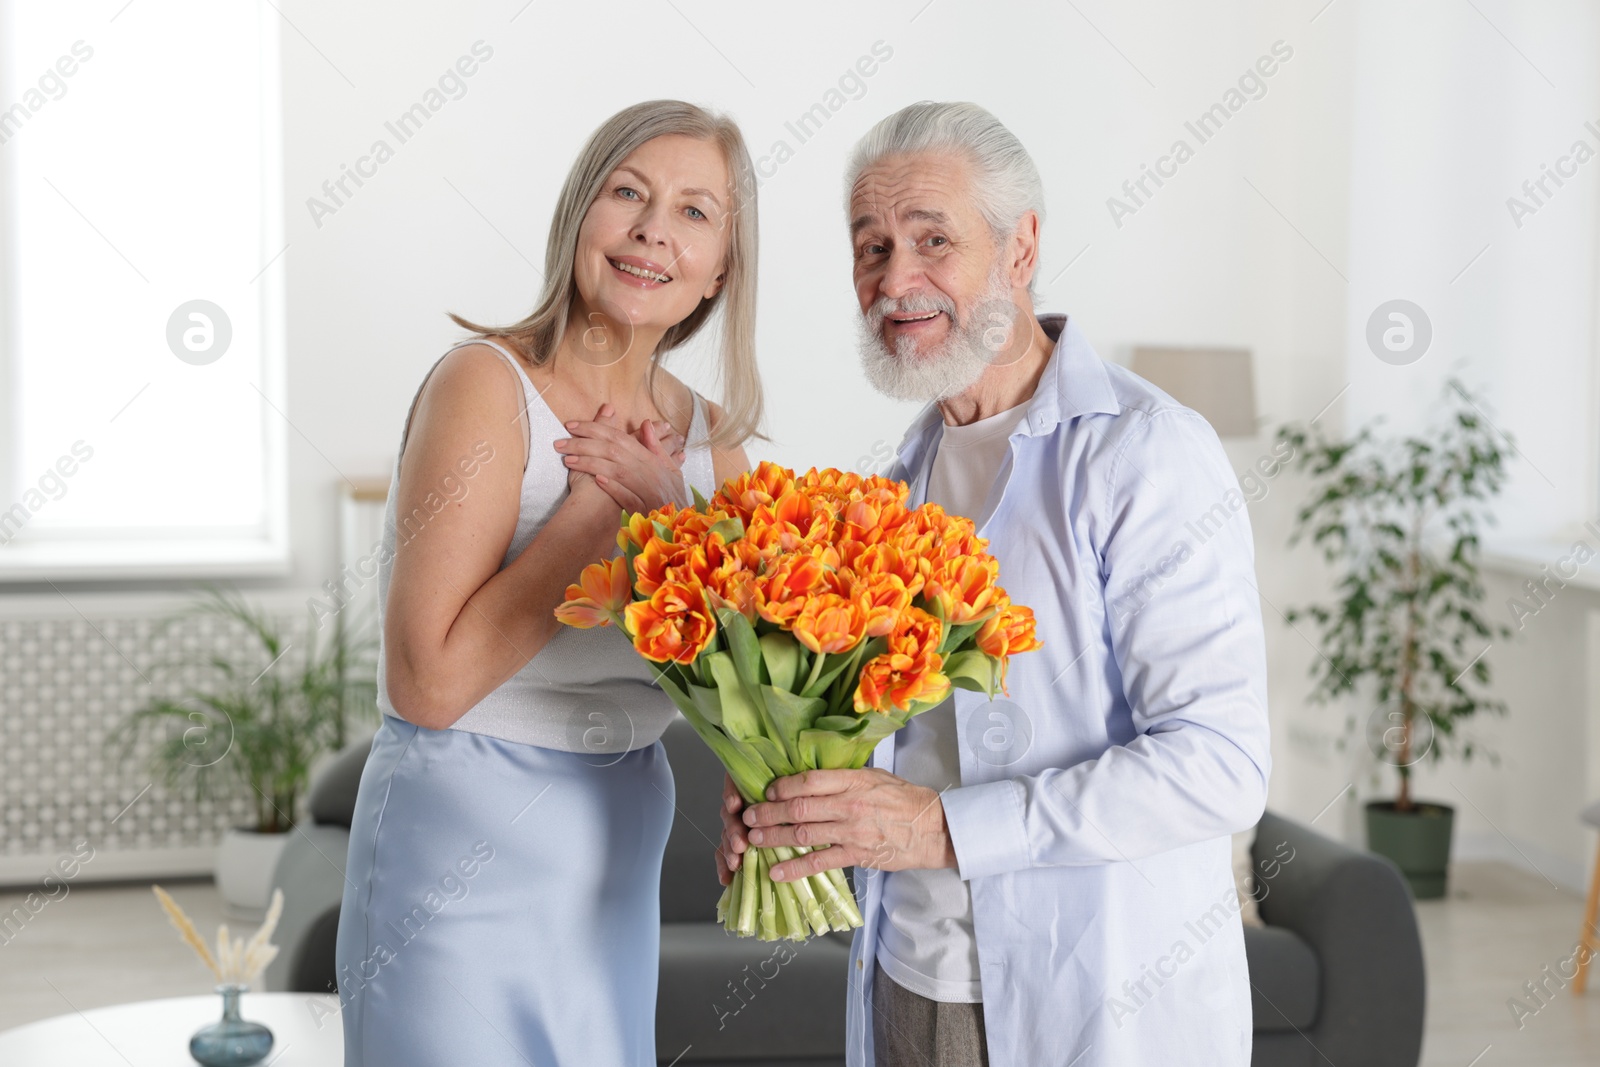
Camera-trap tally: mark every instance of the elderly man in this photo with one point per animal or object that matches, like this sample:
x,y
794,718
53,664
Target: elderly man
x,y
1045,878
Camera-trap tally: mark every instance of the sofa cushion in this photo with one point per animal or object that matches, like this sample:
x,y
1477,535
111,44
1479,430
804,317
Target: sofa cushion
x,y
1282,1049
742,999
1285,979
310,871
313,968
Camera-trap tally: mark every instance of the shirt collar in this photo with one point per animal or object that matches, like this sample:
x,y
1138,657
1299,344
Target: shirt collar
x,y
1074,383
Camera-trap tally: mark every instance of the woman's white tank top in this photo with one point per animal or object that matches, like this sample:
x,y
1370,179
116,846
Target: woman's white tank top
x,y
585,690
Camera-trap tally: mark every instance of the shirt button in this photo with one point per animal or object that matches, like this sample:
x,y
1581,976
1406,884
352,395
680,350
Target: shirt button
x,y
858,965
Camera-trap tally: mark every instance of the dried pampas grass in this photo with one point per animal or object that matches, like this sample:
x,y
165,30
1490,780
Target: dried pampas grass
x,y
236,962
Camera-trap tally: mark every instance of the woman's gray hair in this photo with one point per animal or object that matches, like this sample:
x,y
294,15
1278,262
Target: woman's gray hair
x,y
613,142
1007,181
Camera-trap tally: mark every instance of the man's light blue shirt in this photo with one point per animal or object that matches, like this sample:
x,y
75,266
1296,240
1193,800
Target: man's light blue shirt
x,y
1096,801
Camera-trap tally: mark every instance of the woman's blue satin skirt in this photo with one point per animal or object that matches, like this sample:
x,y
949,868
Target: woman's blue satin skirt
x,y
502,903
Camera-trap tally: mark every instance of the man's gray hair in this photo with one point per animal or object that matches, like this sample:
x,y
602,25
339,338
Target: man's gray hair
x,y
1008,184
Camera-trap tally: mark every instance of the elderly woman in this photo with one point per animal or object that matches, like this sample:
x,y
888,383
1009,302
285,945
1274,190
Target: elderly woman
x,y
502,898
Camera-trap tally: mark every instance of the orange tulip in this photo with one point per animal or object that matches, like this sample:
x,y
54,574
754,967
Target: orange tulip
x,y
909,670
656,564
736,590
674,625
885,558
690,527
1008,631
958,543
965,588
751,490
788,582
830,623
916,634
636,530
755,548
822,550
894,517
893,680
887,488
705,563
799,519
599,597
829,482
884,597
930,517
862,514
937,536
871,521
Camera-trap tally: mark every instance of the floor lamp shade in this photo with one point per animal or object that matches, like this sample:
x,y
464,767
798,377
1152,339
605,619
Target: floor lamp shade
x,y
1219,383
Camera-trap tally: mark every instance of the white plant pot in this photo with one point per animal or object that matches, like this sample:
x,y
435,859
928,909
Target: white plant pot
x,y
245,862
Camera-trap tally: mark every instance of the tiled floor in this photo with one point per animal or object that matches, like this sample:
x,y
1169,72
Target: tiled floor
x,y
103,944
1499,928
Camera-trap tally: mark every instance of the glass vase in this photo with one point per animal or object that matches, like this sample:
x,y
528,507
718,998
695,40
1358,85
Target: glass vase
x,y
231,1042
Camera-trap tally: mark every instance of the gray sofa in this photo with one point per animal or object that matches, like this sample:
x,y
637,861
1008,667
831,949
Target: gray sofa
x,y
310,872
1336,973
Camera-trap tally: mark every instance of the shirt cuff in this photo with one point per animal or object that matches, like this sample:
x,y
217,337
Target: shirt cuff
x,y
986,828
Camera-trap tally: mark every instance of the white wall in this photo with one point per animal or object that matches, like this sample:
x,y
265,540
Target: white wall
x,y
1375,165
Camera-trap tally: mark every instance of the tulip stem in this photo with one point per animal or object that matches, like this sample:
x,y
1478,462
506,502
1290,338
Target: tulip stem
x,y
841,699
808,897
816,672
749,894
848,898
756,905
768,913
791,911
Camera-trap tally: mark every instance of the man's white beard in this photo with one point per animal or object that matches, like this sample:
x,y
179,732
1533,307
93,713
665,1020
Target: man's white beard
x,y
908,374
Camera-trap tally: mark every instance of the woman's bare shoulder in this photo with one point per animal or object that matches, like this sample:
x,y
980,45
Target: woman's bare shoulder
x,y
471,391
473,374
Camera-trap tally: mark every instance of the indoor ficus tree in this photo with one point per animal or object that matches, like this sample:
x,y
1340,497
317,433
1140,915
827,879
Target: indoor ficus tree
x,y
1400,519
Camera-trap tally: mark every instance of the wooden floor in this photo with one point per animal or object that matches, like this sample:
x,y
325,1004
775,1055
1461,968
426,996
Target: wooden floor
x,y
1498,929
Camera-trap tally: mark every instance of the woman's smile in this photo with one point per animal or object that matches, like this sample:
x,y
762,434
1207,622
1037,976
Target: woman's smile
x,y
643,273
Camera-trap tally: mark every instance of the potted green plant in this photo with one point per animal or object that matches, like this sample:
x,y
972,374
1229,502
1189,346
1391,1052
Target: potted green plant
x,y
1406,624
254,727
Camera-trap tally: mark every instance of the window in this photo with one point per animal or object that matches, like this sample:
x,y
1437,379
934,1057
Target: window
x,y
140,291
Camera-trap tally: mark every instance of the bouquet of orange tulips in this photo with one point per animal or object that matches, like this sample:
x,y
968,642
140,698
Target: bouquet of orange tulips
x,y
796,622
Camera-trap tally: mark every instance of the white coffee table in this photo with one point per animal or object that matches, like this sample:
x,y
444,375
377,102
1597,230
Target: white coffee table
x,y
155,1033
